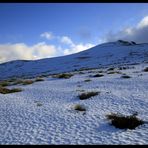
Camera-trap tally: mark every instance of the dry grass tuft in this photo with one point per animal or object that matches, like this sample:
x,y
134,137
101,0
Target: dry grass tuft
x,y
64,75
4,90
79,107
87,95
124,122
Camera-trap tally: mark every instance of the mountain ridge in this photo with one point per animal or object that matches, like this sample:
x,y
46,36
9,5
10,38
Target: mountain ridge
x,y
111,53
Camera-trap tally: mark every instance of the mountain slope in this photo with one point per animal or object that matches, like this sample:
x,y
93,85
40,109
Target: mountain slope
x,y
44,112
113,53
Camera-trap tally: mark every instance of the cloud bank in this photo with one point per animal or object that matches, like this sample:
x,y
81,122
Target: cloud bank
x,y
66,40
139,33
21,51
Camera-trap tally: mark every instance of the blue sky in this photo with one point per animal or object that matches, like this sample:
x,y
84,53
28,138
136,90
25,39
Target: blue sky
x,y
82,25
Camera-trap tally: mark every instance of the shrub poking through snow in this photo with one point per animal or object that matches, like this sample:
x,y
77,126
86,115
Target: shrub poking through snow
x,y
124,122
79,107
114,72
39,104
111,72
27,82
81,72
4,83
39,79
18,82
125,76
100,71
146,69
12,80
122,68
87,95
4,90
109,69
87,80
98,75
64,75
23,82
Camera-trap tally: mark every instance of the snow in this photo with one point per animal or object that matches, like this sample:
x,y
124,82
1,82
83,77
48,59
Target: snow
x,y
54,121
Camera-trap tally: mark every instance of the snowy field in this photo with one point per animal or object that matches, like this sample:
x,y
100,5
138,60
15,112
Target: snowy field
x,y
43,113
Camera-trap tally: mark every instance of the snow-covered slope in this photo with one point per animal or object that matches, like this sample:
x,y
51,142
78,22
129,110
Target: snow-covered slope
x,y
112,53
43,112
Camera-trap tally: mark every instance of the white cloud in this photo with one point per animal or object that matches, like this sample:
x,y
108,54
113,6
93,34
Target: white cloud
x,y
66,40
44,50
128,31
73,47
21,51
47,35
143,22
139,33
77,48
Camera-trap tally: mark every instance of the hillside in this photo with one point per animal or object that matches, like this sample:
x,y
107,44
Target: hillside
x,y
113,53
